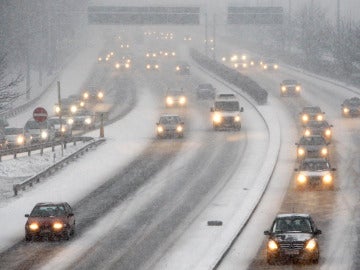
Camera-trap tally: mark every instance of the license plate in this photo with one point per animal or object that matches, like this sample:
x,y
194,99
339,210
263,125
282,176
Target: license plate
x,y
292,252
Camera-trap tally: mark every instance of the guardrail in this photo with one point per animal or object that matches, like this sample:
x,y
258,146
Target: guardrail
x,y
232,76
36,178
41,146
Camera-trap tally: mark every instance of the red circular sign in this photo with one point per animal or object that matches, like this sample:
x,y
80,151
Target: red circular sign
x,y
40,114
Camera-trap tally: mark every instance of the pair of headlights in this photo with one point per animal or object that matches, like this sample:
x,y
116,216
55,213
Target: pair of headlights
x,y
309,246
327,132
326,179
301,152
179,129
217,118
56,226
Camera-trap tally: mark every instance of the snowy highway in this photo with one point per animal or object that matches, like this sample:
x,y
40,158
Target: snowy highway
x,y
144,203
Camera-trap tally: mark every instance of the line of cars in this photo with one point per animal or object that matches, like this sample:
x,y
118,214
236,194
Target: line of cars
x,y
294,236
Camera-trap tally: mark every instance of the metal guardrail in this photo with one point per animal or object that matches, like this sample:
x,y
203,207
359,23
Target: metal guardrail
x,y
36,178
41,146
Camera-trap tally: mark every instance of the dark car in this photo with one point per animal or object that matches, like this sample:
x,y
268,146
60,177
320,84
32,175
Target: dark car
x,y
311,113
182,68
270,64
351,107
293,237
290,88
62,128
315,172
170,126
205,91
312,146
322,128
51,220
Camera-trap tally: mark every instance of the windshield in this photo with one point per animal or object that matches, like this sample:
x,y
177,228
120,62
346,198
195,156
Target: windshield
x,y
292,224
169,120
48,211
11,131
290,82
315,166
312,140
311,110
317,124
35,125
229,106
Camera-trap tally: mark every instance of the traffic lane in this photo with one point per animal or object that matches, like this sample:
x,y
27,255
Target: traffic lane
x,y
328,203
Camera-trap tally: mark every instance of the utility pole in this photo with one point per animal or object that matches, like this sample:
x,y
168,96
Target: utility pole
x,y
206,34
60,118
214,37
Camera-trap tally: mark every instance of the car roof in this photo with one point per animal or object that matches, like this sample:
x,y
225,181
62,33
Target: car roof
x,y
293,215
50,203
311,108
169,115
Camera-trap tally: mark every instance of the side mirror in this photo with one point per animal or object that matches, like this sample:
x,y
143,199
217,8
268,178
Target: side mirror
x,y
333,169
182,123
296,170
211,109
331,126
296,143
327,143
70,214
157,123
241,109
266,233
317,232
27,215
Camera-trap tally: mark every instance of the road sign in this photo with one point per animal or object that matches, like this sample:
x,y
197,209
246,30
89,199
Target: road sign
x,y
40,114
255,15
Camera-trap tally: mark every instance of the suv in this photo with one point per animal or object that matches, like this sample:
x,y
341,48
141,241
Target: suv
x,y
318,128
50,220
315,171
40,131
170,126
312,146
293,237
311,113
290,87
205,90
226,112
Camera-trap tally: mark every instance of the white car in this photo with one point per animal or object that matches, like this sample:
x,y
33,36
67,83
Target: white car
x,y
16,137
40,131
170,126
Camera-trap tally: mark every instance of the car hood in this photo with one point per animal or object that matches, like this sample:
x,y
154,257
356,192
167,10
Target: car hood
x,y
44,220
314,173
292,237
226,114
313,147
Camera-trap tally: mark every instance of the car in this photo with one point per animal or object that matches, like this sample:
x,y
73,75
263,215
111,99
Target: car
x,y
40,131
290,87
84,119
167,53
187,38
69,105
242,64
311,113
182,68
93,95
16,137
123,64
350,107
270,64
322,128
235,59
152,65
175,98
293,236
151,54
205,91
315,172
50,220
63,130
312,146
226,112
170,126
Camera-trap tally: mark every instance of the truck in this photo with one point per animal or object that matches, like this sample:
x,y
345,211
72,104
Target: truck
x,y
226,112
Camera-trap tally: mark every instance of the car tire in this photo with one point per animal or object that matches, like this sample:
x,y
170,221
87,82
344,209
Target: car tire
x,y
66,235
28,238
270,261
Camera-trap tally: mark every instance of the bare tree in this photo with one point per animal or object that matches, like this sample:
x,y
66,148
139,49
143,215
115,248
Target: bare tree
x,y
8,83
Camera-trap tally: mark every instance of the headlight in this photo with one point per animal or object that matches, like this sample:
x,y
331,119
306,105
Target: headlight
x,y
237,118
70,121
177,68
166,54
328,133
297,88
88,121
301,179
160,129
182,100
169,101
44,135
346,110
217,118
20,139
265,66
327,179
173,53
86,95
272,245
276,66
34,226
99,59
63,129
82,104
73,109
252,63
157,66
100,95
319,117
117,65
179,129
57,226
127,65
311,244
283,88
305,118
301,152
57,109
324,151
236,65
307,132
148,66
223,59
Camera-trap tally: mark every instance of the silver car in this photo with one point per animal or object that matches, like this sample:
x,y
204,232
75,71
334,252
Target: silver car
x,y
312,146
16,137
40,131
170,126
